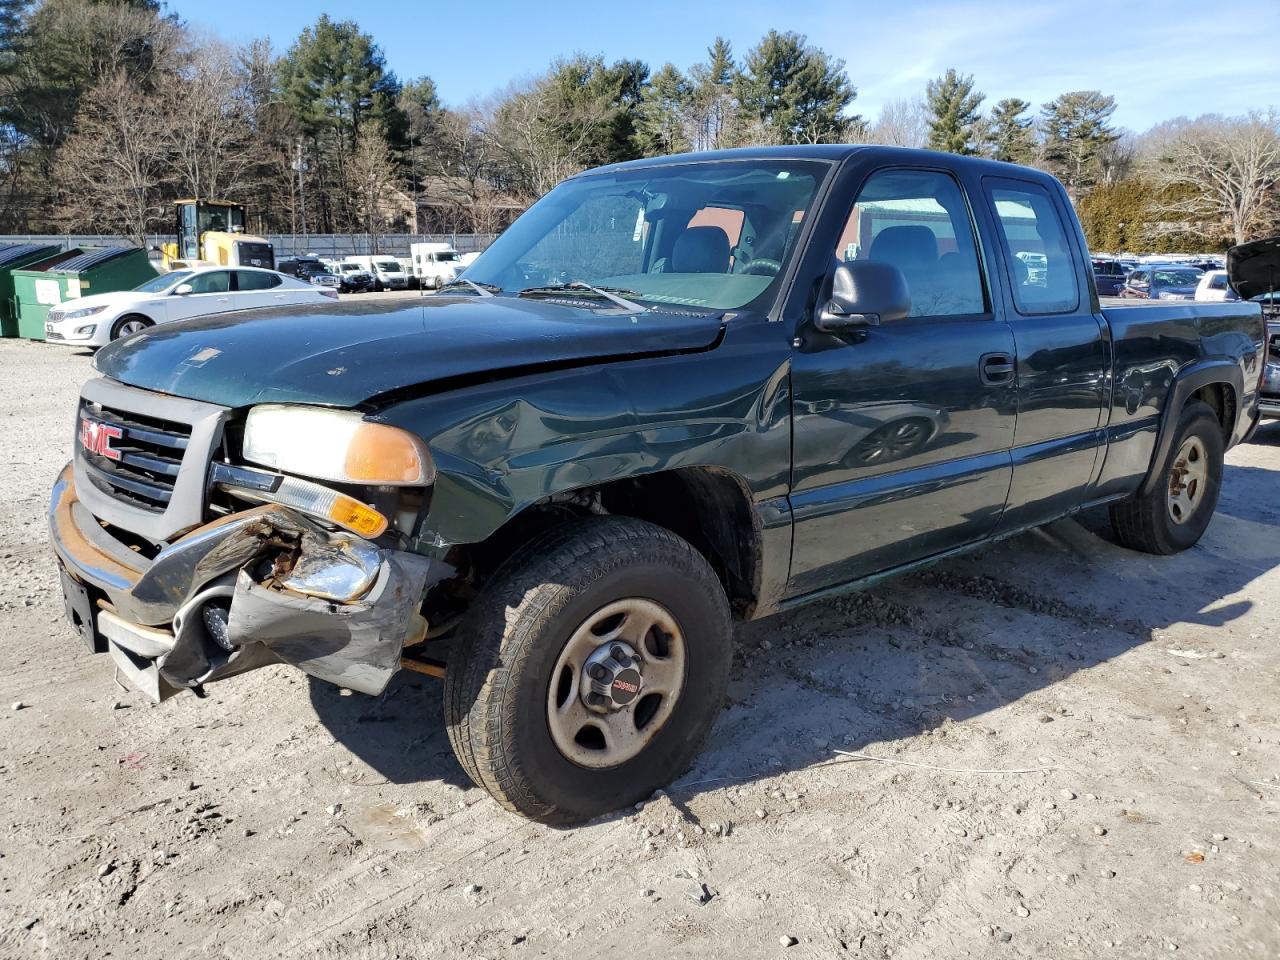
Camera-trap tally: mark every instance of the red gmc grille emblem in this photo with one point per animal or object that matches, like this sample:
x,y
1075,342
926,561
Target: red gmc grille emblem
x,y
96,437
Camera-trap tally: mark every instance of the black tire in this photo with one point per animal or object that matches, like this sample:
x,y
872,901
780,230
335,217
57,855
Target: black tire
x,y
499,676
1146,521
118,328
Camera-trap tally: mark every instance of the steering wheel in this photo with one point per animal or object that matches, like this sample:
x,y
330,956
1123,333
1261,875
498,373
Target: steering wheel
x,y
762,266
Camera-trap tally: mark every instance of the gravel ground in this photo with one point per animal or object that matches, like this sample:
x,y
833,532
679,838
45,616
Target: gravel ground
x,y
281,818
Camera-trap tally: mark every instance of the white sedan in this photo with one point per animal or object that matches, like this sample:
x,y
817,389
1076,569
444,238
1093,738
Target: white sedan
x,y
97,320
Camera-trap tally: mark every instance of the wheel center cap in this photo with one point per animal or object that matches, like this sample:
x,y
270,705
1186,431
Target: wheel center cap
x,y
611,677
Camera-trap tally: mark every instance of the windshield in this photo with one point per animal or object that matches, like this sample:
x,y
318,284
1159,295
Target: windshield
x,y
1176,278
222,219
310,268
449,256
163,282
715,234
388,266
350,267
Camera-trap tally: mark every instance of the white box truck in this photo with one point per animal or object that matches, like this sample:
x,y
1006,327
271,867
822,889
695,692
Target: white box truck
x,y
435,264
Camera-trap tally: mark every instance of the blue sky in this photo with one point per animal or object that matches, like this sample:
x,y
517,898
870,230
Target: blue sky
x,y
1159,60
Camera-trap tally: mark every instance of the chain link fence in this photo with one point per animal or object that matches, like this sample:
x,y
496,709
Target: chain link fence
x,y
328,246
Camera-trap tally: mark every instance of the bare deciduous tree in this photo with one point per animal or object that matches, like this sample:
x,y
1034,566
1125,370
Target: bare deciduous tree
x,y
208,124
901,123
113,169
372,182
539,145
1230,164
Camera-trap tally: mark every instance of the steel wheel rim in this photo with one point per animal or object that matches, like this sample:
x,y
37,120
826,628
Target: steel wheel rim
x,y
1189,480
600,740
133,326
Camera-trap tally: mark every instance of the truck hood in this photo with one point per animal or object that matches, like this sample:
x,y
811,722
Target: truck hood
x,y
351,352
1254,268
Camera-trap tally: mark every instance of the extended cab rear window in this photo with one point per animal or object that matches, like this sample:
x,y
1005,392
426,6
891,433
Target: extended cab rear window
x,y
1035,247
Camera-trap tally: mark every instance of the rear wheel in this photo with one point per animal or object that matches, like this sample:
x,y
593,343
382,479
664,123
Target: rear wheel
x,y
1174,515
591,670
128,325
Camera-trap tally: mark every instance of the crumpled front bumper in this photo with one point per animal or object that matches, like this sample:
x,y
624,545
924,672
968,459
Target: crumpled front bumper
x,y
263,586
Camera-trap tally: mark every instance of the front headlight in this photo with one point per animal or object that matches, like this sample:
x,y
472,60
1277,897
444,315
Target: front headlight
x,y
338,445
82,312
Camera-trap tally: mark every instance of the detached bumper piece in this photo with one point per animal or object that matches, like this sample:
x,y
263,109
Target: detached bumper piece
x,y
259,587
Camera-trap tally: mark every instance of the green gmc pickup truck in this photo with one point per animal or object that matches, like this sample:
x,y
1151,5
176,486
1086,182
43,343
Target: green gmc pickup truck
x,y
676,394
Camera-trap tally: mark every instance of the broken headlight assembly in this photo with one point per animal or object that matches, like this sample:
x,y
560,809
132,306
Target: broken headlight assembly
x,y
381,472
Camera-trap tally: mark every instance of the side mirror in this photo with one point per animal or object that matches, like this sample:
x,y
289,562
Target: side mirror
x,y
864,293
182,289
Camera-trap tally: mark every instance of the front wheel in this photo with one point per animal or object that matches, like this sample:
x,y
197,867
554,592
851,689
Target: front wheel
x,y
1174,515
590,671
127,326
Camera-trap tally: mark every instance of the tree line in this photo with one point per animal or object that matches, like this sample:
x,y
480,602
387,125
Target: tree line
x,y
110,109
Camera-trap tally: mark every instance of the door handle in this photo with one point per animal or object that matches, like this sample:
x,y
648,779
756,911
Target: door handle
x,y
996,368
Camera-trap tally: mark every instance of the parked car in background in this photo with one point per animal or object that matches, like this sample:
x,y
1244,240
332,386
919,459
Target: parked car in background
x,y
386,270
352,277
1253,271
310,269
1214,288
1161,282
1036,265
97,320
1108,276
435,264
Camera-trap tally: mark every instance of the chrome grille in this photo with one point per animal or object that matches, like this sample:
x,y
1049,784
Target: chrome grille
x,y
131,457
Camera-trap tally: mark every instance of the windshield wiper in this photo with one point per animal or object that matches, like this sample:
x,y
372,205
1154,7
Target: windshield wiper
x,y
617,295
483,289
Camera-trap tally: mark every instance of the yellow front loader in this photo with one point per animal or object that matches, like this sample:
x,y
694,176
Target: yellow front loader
x,y
211,233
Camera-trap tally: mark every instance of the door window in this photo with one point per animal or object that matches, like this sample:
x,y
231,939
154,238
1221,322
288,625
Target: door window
x,y
1036,249
918,221
216,281
255,280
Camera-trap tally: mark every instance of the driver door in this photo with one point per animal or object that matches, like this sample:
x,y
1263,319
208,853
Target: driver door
x,y
902,431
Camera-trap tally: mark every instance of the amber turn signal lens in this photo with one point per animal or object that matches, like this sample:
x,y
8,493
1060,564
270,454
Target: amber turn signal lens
x,y
378,453
357,517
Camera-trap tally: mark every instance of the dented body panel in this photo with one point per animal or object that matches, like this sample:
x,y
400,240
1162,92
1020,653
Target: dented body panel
x,y
291,591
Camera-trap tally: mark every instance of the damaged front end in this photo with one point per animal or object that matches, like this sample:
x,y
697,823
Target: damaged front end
x,y
266,585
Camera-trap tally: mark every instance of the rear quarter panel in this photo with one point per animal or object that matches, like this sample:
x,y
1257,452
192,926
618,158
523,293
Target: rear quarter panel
x,y
1157,343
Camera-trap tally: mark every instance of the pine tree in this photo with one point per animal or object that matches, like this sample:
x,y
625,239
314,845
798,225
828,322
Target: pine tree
x,y
711,110
953,113
1010,137
660,127
793,92
1077,131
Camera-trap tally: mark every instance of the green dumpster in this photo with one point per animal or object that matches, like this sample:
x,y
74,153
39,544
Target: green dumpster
x,y
15,256
73,274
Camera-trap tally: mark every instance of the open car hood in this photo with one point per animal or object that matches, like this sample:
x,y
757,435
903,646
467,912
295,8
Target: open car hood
x,y
347,353
1254,268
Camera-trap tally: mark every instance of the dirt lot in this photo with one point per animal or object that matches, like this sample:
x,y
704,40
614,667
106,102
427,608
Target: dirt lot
x,y
280,818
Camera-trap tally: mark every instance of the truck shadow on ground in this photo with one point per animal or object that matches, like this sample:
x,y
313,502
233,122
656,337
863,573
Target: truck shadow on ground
x,y
941,647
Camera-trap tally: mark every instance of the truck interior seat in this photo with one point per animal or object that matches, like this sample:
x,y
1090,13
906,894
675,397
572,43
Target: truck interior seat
x,y
912,249
701,250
